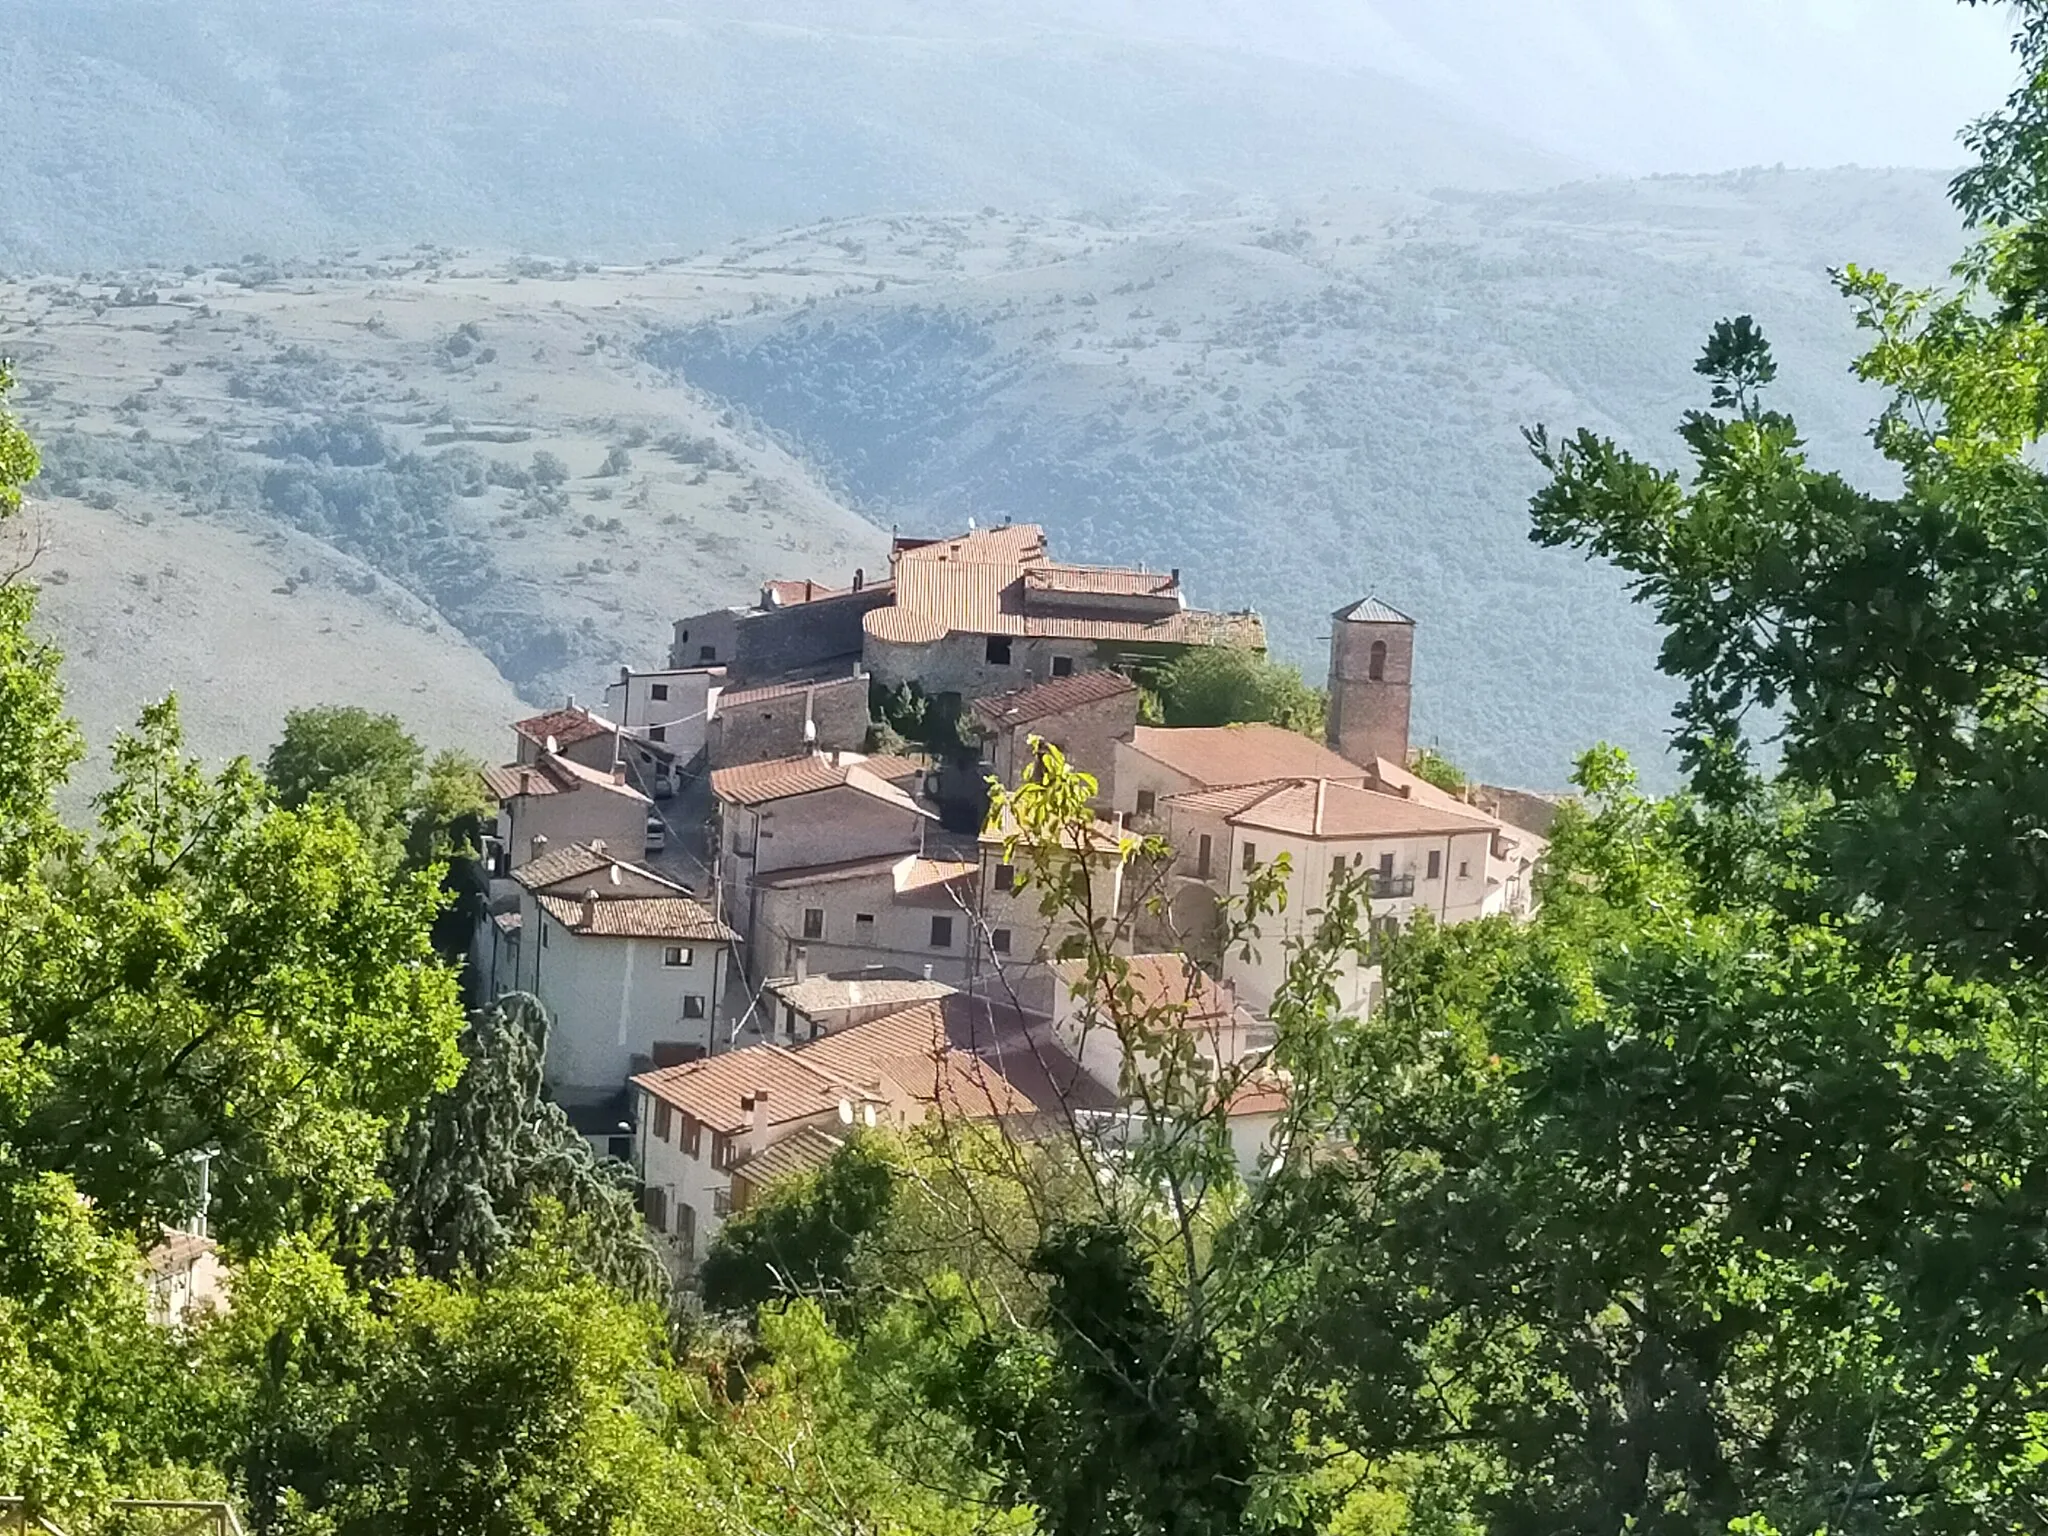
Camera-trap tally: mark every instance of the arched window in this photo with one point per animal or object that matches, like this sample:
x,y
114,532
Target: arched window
x,y
1376,668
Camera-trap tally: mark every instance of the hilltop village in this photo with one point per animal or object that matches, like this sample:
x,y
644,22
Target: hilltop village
x,y
757,892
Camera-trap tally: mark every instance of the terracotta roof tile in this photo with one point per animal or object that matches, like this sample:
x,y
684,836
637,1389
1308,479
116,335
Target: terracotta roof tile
x,y
871,987
637,917
1100,581
804,1150
1215,756
783,778
1328,811
1052,697
551,775
566,726
710,1090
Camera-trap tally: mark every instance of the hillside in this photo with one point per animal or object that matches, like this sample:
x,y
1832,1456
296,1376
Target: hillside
x,y
1299,404
1296,405
145,133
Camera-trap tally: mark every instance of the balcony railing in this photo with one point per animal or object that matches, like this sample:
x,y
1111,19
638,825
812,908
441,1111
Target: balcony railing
x,y
1388,887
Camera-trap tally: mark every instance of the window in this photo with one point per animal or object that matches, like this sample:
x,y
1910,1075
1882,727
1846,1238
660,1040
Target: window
x,y
1376,663
1006,877
654,1205
721,1151
657,733
999,940
998,650
1436,865
675,1053
664,1119
721,1202
707,653
864,926
686,1231
692,1140
693,1005
678,955
814,922
1251,857
1063,666
619,1149
1386,866
1202,852
942,933
1464,869
658,692
1148,802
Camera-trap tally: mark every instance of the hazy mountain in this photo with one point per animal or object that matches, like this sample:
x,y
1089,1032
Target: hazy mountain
x,y
141,131
1301,408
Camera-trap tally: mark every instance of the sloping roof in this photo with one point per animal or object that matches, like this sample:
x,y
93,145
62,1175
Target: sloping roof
x,y
571,862
1370,610
804,1150
1214,756
784,778
551,775
1325,810
1157,983
871,987
710,1089
977,583
878,865
1101,581
763,693
916,1049
1411,785
1053,697
566,726
637,917
943,883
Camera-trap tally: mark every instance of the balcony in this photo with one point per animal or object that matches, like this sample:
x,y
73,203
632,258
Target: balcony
x,y
1389,887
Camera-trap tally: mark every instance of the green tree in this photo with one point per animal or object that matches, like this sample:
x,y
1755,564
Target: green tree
x,y
800,1240
416,812
1223,685
478,1170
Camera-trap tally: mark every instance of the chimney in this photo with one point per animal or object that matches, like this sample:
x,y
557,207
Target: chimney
x,y
625,676
539,844
1176,575
590,909
757,1125
860,578
803,962
597,846
572,702
927,970
618,775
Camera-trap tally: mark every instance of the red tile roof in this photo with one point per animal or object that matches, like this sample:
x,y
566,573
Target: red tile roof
x,y
1328,811
783,778
1100,581
551,775
637,917
1053,697
710,1090
1214,756
566,726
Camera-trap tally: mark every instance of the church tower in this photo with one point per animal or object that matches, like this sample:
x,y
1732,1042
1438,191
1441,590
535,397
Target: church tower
x,y
1372,658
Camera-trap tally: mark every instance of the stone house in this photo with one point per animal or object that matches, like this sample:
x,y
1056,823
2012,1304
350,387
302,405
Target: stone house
x,y
700,1127
1016,943
793,719
670,708
1155,763
1087,715
1416,854
628,965
990,612
900,910
809,812
555,800
798,628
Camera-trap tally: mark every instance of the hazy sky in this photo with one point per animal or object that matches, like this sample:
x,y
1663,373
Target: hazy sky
x,y
1657,85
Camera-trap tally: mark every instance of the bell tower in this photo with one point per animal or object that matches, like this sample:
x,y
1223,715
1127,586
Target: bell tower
x,y
1372,658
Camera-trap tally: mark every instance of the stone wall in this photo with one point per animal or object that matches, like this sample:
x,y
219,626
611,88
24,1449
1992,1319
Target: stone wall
x,y
775,642
756,730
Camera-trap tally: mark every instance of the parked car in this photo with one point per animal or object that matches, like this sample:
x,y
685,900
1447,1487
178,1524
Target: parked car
x,y
657,834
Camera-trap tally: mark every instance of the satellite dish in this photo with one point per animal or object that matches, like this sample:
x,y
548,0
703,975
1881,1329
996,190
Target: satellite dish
x,y
810,730
845,1112
615,874
868,1114
552,748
